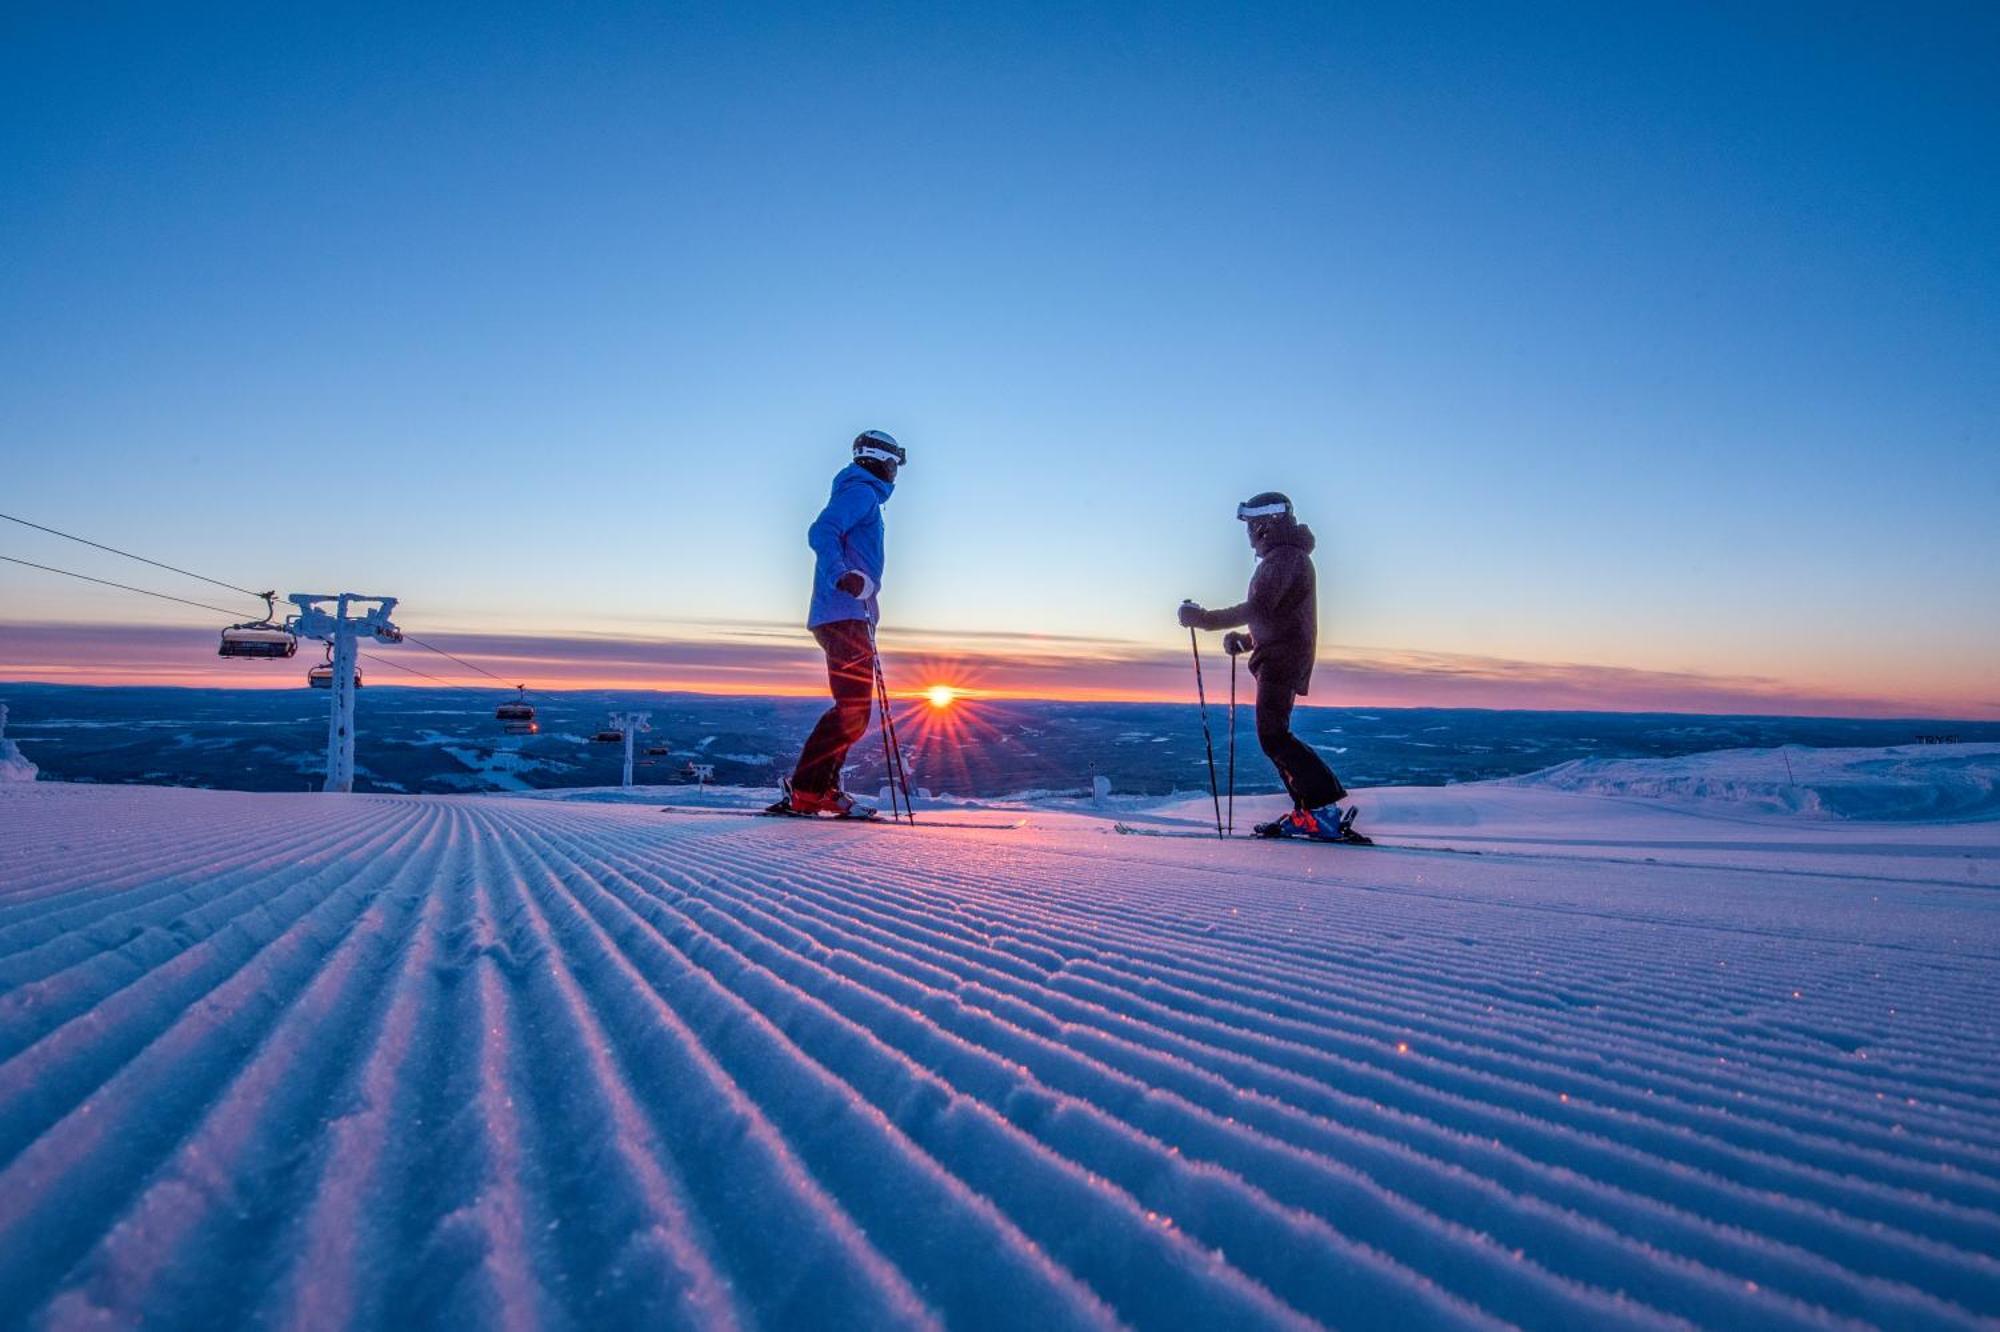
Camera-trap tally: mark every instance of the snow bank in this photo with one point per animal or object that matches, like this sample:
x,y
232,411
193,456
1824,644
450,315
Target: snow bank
x,y
1907,784
14,765
1918,782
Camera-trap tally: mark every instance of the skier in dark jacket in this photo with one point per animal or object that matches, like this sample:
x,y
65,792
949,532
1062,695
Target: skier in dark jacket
x,y
847,544
1282,612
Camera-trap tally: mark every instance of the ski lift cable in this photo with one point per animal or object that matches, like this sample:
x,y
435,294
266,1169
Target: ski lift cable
x,y
409,638
381,660
217,582
220,610
202,605
123,587
99,545
460,660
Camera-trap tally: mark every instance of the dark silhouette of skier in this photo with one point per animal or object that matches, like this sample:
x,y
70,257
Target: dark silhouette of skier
x,y
1282,612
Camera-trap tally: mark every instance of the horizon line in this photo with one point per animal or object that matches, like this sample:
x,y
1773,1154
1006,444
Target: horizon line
x,y
158,655
976,697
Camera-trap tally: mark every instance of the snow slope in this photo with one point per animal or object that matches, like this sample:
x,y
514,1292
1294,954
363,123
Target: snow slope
x,y
394,1061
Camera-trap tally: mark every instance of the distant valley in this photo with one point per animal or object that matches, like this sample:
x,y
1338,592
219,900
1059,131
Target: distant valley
x,y
446,740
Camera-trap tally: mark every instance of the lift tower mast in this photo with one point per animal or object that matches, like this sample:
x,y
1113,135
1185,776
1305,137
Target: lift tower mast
x,y
341,628
631,723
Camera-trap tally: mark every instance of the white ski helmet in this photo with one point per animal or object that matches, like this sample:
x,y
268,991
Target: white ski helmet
x,y
881,446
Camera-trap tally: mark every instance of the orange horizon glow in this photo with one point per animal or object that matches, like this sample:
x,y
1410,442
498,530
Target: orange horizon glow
x,y
387,678
1802,703
777,664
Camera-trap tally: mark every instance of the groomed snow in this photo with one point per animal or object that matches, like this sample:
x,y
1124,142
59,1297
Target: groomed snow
x,y
306,1060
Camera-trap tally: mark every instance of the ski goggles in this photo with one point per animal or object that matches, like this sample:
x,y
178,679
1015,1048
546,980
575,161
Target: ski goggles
x,y
880,447
1247,511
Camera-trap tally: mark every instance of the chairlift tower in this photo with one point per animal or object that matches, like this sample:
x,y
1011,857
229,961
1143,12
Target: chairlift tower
x,y
336,618
631,723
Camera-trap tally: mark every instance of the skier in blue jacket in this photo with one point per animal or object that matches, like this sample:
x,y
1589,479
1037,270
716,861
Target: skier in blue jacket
x,y
846,541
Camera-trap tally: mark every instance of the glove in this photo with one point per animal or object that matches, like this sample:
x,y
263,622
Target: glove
x,y
856,584
1236,643
1189,614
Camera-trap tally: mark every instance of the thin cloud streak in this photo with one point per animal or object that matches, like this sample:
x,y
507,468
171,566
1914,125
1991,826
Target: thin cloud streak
x,y
994,666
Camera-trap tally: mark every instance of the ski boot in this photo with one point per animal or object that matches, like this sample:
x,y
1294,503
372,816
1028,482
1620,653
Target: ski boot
x,y
809,804
1329,823
1298,823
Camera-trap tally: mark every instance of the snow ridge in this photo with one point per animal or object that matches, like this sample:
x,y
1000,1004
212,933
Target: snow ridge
x,y
14,765
1926,782
411,1060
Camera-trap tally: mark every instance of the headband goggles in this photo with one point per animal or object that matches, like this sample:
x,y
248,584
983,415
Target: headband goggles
x,y
1248,511
880,447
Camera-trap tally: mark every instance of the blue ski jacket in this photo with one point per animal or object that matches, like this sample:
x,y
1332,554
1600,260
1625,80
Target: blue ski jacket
x,y
846,537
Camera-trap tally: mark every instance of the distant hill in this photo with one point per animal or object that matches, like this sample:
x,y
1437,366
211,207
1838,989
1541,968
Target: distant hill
x,y
444,740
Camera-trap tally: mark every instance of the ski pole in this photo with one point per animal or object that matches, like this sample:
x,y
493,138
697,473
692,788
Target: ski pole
x,y
892,749
882,730
1232,744
1201,694
882,722
896,746
888,756
900,771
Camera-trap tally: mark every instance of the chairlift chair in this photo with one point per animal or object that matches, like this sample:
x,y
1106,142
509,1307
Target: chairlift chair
x,y
258,641
263,639
608,736
321,676
517,716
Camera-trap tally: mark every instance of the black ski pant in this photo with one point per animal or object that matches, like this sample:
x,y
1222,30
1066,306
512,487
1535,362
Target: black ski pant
x,y
850,671
1305,774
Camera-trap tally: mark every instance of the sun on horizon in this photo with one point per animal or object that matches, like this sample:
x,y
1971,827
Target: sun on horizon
x,y
941,695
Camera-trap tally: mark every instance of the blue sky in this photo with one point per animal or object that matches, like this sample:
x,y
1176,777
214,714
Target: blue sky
x,y
1654,338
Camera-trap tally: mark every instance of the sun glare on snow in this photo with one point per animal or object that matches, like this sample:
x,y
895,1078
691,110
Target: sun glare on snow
x,y
941,696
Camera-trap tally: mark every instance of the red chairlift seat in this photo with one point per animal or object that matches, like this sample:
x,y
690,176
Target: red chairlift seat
x,y
263,639
521,728
321,677
258,641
